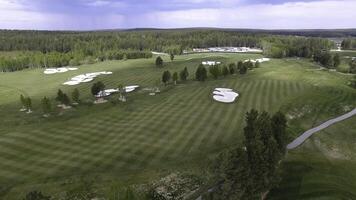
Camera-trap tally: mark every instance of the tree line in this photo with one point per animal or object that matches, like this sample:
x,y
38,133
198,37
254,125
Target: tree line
x,y
53,49
24,60
201,73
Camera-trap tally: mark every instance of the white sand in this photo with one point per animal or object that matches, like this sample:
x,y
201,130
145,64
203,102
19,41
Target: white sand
x,y
225,95
85,78
261,60
109,92
59,70
211,63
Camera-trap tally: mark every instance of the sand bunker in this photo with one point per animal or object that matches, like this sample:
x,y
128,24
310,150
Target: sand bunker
x,y
261,60
59,70
85,78
225,95
211,63
109,92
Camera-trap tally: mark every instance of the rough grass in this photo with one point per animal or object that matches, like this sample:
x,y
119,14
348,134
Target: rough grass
x,y
150,135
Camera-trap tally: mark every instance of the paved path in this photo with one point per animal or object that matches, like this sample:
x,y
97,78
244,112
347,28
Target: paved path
x,y
326,124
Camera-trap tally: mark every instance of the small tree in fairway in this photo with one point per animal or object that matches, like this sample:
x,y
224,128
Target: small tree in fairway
x,y
352,69
243,69
171,56
184,74
215,71
166,77
175,78
201,73
159,61
28,104
225,71
232,67
23,102
97,87
60,95
122,92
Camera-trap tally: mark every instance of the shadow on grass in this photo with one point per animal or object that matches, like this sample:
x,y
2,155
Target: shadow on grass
x,y
292,177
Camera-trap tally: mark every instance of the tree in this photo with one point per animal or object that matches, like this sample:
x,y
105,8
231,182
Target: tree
x,y
325,58
159,61
46,105
243,69
279,125
172,56
225,71
257,64
97,87
175,78
28,104
352,66
60,95
122,92
249,64
65,100
166,77
201,73
75,95
36,195
184,74
234,172
215,71
232,67
239,65
337,60
262,151
353,82
23,101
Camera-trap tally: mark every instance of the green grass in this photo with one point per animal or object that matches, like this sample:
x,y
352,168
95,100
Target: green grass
x,y
149,136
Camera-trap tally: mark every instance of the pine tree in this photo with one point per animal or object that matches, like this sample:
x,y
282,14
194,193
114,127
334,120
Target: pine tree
x,y
46,105
201,73
184,74
28,104
279,126
175,78
97,87
65,100
215,71
159,61
232,67
23,101
225,71
166,77
172,56
60,96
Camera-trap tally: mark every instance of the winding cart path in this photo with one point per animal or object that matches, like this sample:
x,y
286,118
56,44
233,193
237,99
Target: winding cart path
x,y
299,140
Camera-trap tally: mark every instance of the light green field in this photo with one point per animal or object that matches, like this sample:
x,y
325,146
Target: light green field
x,y
150,136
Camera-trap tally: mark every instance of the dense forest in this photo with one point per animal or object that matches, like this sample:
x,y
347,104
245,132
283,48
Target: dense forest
x,y
32,49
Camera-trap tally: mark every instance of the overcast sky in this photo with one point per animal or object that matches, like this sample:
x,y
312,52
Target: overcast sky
x,y
110,14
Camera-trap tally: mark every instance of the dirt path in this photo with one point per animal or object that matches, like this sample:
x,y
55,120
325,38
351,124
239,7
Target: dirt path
x,y
299,140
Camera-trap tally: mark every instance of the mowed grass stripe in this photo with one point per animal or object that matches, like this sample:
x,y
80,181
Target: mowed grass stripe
x,y
44,150
174,135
